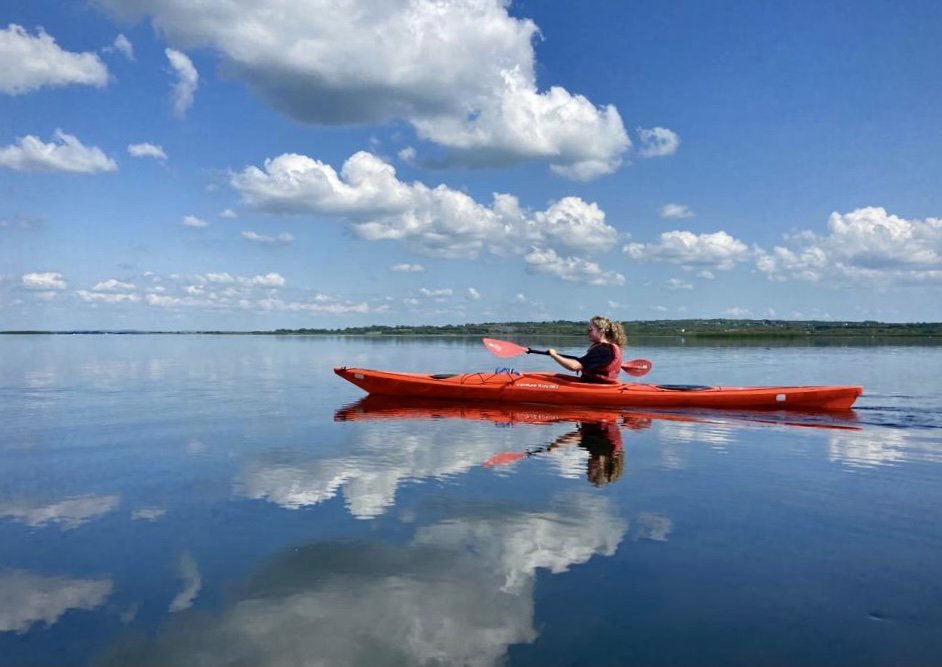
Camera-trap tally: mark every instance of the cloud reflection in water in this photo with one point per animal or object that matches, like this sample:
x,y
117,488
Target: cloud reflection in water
x,y
67,514
461,592
377,459
27,598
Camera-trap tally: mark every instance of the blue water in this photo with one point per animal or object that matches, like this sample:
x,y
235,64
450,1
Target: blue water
x,y
222,500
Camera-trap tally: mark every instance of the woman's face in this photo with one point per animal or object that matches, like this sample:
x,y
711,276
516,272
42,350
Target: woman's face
x,y
594,334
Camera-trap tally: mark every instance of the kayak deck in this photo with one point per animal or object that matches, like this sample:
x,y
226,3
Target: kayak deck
x,y
559,389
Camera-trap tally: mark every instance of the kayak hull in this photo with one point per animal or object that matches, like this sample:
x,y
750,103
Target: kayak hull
x,y
558,389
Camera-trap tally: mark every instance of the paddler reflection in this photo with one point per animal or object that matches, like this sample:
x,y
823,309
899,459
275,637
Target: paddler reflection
x,y
601,439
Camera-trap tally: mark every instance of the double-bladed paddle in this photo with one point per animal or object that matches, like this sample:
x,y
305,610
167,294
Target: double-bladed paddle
x,y
503,348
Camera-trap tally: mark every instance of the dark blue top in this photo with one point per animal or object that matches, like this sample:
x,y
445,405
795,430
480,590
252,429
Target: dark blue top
x,y
597,357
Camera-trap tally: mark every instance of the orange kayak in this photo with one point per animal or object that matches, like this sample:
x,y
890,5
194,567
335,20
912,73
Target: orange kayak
x,y
559,389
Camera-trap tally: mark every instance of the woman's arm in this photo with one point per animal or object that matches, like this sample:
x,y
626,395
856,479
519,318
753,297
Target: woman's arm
x,y
573,365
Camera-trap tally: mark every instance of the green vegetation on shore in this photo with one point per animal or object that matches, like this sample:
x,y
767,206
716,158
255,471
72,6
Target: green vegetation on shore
x,y
715,328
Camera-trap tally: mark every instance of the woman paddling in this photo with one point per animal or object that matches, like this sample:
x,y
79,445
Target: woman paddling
x,y
602,361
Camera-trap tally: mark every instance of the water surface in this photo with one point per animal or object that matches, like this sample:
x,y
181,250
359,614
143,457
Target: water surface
x,y
217,500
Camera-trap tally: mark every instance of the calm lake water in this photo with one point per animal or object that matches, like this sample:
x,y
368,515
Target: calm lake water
x,y
227,500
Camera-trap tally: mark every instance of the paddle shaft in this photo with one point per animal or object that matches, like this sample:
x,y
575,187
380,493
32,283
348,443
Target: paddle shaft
x,y
530,350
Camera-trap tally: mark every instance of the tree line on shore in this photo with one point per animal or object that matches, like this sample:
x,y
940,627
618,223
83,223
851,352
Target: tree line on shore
x,y
693,328
719,328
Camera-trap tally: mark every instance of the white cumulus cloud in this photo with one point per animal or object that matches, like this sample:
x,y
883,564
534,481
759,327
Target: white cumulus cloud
x,y
675,212
292,183
106,297
407,268
678,284
441,293
65,153
185,82
48,280
223,291
577,225
34,61
524,123
867,244
718,250
318,307
123,44
438,221
572,269
147,150
195,222
658,142
407,155
112,285
462,73
283,237
267,280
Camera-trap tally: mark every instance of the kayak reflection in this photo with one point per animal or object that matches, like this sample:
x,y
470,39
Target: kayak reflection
x,y
378,407
598,431
391,407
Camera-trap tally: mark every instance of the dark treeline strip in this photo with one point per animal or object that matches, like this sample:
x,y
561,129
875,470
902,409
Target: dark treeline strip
x,y
714,328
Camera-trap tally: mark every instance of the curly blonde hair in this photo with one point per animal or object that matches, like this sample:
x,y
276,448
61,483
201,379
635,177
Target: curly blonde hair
x,y
613,331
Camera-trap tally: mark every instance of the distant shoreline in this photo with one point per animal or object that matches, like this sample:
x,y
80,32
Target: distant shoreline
x,y
714,328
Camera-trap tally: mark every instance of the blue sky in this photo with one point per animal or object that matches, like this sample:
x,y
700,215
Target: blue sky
x,y
257,164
